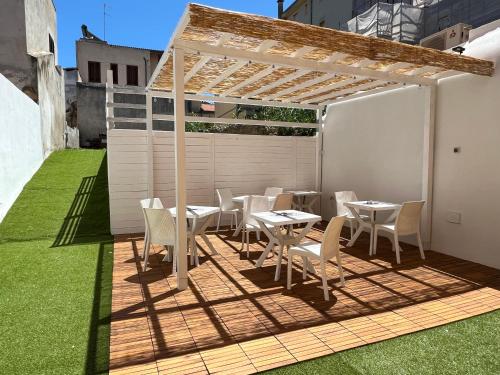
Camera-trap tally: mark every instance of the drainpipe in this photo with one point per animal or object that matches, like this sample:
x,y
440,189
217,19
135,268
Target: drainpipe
x,y
312,2
280,8
145,71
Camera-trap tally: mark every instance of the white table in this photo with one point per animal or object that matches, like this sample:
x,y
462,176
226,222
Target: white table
x,y
372,207
199,217
285,219
301,198
240,200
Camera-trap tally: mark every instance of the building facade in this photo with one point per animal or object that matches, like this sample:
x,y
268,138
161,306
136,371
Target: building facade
x,y
327,13
28,58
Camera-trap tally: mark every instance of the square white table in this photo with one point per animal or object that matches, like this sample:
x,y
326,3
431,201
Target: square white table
x,y
301,198
240,200
199,217
278,219
372,207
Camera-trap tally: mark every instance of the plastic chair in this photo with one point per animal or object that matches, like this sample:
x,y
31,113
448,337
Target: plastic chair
x,y
323,251
251,204
160,227
148,203
407,223
342,197
273,191
283,201
227,206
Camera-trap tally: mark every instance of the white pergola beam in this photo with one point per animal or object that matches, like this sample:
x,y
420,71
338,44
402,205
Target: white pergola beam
x,y
363,94
233,100
203,60
228,72
237,121
299,63
249,81
301,86
277,83
365,86
180,170
320,90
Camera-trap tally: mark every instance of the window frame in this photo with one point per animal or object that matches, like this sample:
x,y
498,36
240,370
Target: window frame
x,y
92,71
130,69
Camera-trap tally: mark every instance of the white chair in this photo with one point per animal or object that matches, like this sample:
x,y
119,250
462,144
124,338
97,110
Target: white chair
x,y
227,206
273,191
283,201
323,251
148,203
160,229
252,203
407,223
342,197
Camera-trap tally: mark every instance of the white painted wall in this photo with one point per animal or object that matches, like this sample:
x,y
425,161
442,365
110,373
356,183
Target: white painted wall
x,y
468,116
373,146
245,163
21,149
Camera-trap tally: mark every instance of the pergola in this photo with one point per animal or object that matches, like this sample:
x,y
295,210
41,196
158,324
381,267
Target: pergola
x,y
229,57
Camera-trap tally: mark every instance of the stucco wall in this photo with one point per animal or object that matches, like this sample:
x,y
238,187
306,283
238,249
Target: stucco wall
x,y
468,182
40,22
91,112
333,13
373,146
21,150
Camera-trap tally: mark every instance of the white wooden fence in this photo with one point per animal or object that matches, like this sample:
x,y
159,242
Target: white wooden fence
x,y
246,164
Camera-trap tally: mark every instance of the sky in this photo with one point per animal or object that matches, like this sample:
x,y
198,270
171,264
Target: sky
x,y
135,23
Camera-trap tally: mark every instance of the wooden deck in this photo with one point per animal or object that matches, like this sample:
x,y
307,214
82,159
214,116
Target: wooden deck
x,y
235,319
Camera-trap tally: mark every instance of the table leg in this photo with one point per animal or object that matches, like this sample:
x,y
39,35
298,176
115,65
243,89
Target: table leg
x,y
360,226
272,241
238,228
278,263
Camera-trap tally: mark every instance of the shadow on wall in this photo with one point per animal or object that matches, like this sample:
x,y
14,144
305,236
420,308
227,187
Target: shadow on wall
x,y
86,222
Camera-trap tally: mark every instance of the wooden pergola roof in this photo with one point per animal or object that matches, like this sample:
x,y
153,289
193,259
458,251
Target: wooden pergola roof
x,y
264,60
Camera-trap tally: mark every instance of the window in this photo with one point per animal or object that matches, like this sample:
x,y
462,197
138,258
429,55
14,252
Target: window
x,y
114,69
94,72
52,46
132,75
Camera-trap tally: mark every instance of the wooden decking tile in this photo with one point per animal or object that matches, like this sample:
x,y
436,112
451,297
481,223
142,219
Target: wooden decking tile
x,y
234,318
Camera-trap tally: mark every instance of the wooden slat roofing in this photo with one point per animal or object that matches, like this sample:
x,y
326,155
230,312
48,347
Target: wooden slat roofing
x,y
252,57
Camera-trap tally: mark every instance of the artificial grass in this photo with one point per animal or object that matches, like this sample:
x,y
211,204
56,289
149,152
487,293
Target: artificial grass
x,y
55,279
470,346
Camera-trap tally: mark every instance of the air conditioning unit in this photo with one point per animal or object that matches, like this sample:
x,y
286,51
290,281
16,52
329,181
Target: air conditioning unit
x,y
447,38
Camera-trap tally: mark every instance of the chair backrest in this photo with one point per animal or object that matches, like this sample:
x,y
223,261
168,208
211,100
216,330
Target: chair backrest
x,y
342,197
225,199
151,203
408,220
160,226
254,203
330,244
283,201
273,191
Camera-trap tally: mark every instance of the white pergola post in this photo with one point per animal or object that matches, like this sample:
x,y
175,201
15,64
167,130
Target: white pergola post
x,y
428,164
180,169
319,151
149,128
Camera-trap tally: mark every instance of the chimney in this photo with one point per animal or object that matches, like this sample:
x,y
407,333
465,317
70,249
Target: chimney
x,y
280,8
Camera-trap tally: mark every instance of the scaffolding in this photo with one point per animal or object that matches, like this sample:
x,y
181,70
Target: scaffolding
x,y
409,21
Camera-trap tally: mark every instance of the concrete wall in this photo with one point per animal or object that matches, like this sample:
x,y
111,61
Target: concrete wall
x,y
373,146
332,13
91,102
89,50
40,22
468,182
21,149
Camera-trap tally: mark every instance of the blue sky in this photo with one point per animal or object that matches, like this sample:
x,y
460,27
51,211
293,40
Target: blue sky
x,y
136,23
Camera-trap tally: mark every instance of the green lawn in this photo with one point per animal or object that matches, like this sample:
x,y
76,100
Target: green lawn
x,y
55,280
470,346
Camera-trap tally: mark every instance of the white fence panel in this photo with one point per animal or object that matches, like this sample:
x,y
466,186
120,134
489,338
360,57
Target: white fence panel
x,y
245,163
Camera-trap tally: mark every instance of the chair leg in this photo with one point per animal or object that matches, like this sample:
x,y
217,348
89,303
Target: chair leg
x,y
323,278
420,246
146,255
278,263
396,245
289,272
248,244
218,220
257,233
243,230
341,270
375,238
236,219
304,268
146,239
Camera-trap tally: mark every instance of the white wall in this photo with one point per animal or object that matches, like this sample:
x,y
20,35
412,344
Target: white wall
x,y
373,146
468,116
21,149
245,163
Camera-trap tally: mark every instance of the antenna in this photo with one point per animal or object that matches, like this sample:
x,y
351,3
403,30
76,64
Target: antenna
x,y
104,17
